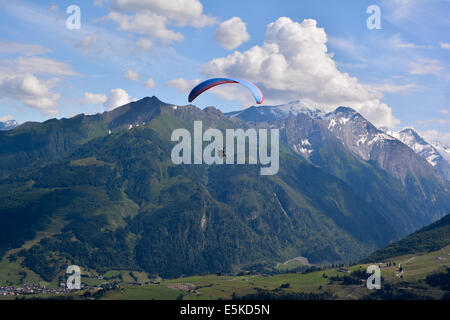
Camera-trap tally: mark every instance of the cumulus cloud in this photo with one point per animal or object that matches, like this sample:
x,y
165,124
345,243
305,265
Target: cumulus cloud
x,y
29,80
32,91
132,75
92,98
183,85
294,63
231,33
152,18
117,97
146,23
149,84
181,12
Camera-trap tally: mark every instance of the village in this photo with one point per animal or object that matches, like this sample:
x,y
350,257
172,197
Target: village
x,y
28,289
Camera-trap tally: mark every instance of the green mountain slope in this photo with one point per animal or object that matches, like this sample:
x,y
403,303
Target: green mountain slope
x,y
431,238
403,209
33,144
105,195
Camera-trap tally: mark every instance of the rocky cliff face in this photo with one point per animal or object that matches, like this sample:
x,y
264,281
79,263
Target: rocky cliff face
x,y
426,150
343,139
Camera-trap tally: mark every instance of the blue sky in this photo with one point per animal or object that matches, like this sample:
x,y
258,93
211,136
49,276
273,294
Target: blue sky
x,y
319,52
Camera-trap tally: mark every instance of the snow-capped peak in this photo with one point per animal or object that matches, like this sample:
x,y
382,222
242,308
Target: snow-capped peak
x,y
278,112
354,131
8,124
297,107
442,148
410,137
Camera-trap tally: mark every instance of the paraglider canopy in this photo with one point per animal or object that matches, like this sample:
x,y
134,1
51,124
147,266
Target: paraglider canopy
x,y
208,84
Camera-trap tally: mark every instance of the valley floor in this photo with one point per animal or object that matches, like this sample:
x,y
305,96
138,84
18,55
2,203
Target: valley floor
x,y
328,283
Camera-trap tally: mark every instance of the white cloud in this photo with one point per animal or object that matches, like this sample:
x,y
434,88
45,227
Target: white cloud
x,y
408,45
433,122
27,79
36,66
117,97
6,118
92,98
398,43
22,48
437,137
231,33
399,9
100,3
144,43
294,63
393,88
88,42
342,43
39,65
149,84
152,18
32,91
183,85
148,24
53,7
443,111
181,12
132,75
444,45
418,17
425,66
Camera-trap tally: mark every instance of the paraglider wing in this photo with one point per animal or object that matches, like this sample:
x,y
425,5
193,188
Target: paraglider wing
x,y
208,84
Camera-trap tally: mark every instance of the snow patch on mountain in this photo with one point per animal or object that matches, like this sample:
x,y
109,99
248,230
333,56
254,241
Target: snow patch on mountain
x,y
394,152
8,124
304,151
295,108
409,137
362,140
436,156
306,142
441,141
358,134
380,137
278,112
443,150
304,148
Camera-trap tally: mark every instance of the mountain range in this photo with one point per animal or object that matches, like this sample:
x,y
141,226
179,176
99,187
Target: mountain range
x,y
367,136
345,144
100,191
426,150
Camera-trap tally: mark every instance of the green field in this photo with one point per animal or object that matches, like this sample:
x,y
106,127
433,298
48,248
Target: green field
x,y
136,286
415,270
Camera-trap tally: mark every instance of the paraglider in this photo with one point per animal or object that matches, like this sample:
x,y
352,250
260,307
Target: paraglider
x,y
208,84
